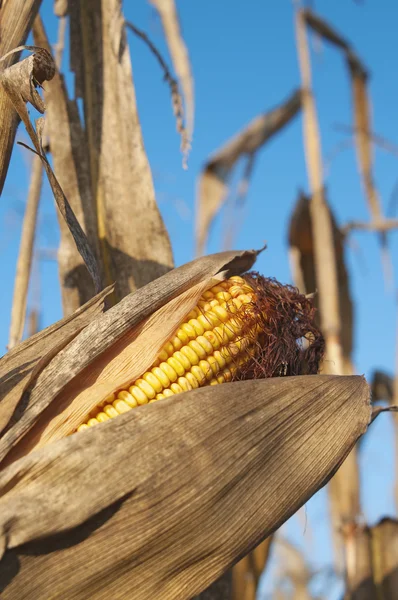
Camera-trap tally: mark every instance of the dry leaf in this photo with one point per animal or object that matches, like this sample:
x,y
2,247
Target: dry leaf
x,y
19,81
179,56
212,186
70,155
183,488
135,248
16,19
302,259
373,561
22,364
362,119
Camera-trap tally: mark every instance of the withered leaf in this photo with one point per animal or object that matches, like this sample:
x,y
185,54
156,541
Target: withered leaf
x,y
19,82
212,186
164,499
23,363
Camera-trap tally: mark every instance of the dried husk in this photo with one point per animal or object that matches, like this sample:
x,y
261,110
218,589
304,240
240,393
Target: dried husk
x,y
302,259
21,365
361,117
68,145
373,561
135,247
16,19
183,488
19,82
212,185
179,55
247,572
109,335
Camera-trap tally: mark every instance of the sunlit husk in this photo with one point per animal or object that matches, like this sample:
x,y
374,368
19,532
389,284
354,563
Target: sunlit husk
x,y
182,489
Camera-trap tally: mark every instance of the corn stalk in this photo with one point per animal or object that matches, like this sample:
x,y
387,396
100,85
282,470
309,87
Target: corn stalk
x,y
344,488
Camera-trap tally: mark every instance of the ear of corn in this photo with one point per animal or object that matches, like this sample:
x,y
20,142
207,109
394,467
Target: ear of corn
x,y
216,340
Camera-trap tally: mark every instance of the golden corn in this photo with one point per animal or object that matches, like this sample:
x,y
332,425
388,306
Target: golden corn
x,y
206,350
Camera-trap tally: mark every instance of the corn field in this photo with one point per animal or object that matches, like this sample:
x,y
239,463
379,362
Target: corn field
x,y
199,386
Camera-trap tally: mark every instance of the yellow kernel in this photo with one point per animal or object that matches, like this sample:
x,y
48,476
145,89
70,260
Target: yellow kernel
x,y
220,359
146,388
206,369
110,411
223,296
184,384
169,371
237,279
206,345
177,389
121,406
213,382
169,348
196,347
193,314
83,427
203,305
190,354
215,367
197,326
225,376
245,299
182,336
206,323
221,333
161,376
213,339
153,381
198,373
177,343
217,289
160,396
208,295
138,394
163,355
176,365
102,417
221,313
189,330
167,392
92,422
192,380
127,397
182,359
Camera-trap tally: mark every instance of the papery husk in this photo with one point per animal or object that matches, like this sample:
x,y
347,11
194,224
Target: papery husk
x,y
20,366
159,502
105,338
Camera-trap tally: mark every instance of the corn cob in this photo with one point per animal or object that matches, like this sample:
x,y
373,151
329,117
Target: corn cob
x,y
217,339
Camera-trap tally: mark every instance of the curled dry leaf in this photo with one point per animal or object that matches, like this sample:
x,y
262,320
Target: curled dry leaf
x,y
212,186
19,82
16,19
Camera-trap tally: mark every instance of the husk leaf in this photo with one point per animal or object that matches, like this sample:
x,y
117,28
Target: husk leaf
x,y
104,332
161,501
21,365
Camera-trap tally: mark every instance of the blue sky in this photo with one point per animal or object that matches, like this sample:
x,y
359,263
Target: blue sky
x,y
244,62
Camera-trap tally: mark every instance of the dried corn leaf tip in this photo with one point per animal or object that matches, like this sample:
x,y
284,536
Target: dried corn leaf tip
x,y
243,328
